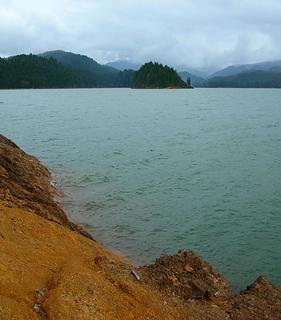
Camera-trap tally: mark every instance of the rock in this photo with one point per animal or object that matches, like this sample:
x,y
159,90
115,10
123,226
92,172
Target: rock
x,y
188,268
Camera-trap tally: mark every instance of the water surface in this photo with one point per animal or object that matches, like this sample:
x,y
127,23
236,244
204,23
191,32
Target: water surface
x,y
154,171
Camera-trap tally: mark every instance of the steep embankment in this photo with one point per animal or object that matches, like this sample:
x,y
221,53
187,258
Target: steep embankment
x,y
25,183
49,270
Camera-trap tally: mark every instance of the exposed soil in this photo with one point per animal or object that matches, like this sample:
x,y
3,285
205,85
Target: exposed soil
x,y
50,270
191,279
186,275
25,183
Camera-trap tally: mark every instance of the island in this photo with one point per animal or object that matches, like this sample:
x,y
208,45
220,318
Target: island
x,y
154,75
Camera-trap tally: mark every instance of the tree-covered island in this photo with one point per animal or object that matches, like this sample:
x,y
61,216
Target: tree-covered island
x,y
153,75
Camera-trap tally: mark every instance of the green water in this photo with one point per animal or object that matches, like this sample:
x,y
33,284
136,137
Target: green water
x,y
154,171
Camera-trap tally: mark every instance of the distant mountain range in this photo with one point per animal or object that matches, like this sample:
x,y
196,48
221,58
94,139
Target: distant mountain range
x,y
228,77
196,81
124,65
248,79
202,73
66,69
258,75
271,66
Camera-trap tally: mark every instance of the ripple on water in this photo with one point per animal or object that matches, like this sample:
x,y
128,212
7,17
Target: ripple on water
x,y
198,170
92,206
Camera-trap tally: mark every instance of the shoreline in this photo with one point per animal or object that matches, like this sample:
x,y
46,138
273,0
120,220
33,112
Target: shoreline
x,y
52,268
132,255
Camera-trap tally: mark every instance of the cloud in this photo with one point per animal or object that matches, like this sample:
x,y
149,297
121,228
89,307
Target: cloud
x,y
192,32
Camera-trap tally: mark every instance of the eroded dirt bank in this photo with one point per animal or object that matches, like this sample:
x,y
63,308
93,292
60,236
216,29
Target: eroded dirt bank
x,y
51,269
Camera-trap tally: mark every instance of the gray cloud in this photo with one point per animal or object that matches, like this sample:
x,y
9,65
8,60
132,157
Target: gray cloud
x,y
193,32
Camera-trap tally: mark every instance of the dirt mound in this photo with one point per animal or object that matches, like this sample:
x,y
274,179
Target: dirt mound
x,y
186,275
206,292
25,183
261,300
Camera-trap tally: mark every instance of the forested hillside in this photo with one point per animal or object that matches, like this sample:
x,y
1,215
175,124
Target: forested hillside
x,y
154,75
251,79
44,71
30,71
91,72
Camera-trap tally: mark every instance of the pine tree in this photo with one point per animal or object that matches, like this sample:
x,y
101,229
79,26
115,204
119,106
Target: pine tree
x,y
155,75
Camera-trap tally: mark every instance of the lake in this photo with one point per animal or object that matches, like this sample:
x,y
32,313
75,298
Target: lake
x,y
153,171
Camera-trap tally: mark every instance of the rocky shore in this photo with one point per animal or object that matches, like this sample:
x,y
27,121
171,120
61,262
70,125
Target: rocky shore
x,y
51,268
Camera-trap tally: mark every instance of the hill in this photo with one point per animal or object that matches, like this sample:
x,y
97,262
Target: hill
x,y
195,80
31,71
91,72
124,65
155,75
271,66
250,79
203,72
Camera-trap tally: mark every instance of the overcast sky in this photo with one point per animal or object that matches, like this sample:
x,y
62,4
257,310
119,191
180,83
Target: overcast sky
x,y
197,33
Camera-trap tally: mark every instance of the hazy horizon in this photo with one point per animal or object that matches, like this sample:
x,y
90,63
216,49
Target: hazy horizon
x,y
193,33
180,68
